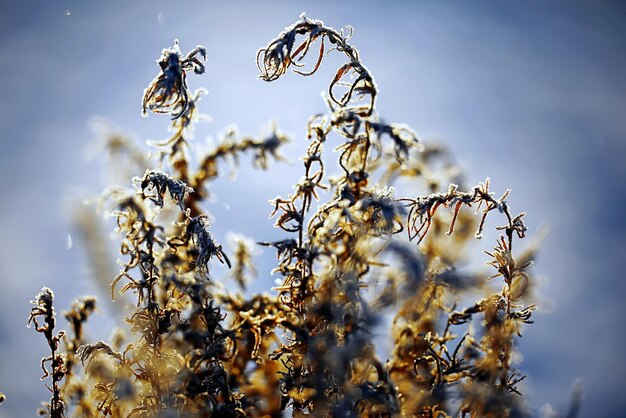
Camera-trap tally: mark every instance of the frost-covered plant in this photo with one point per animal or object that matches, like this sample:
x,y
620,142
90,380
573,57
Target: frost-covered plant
x,y
194,348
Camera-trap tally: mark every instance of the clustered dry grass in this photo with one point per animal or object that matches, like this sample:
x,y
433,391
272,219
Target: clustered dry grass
x,y
194,348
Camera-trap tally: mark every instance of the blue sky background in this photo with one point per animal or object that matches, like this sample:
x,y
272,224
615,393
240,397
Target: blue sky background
x,y
531,94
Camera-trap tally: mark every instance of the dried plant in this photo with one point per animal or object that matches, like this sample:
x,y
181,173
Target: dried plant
x,y
43,309
192,347
168,92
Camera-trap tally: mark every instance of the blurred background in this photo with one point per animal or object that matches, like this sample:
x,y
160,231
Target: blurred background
x,y
531,94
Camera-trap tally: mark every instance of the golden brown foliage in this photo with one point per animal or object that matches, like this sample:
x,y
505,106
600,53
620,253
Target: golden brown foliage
x,y
309,348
